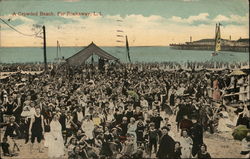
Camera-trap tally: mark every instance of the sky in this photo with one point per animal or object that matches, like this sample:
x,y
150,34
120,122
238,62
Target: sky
x,y
107,22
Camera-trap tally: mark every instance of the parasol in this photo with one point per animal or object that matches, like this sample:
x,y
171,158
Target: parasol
x,y
237,73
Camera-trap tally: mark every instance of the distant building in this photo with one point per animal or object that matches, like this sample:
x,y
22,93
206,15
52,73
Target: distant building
x,y
242,42
240,45
211,42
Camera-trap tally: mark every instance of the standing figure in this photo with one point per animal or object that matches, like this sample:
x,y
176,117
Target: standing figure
x,y
197,136
132,126
28,112
88,128
153,138
187,144
5,147
216,90
36,129
172,98
55,143
62,120
139,131
177,151
124,129
156,119
78,116
167,145
12,131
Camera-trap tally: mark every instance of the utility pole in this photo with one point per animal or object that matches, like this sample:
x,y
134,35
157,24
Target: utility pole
x,y
44,49
0,35
0,41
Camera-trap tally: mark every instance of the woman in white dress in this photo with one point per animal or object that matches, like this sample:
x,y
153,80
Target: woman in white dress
x,y
132,126
55,139
88,127
224,123
186,144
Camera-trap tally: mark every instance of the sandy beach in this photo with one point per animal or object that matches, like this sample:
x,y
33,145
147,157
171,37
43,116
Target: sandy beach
x,y
220,145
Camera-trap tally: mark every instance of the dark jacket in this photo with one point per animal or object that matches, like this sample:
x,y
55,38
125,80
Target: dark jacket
x,y
166,147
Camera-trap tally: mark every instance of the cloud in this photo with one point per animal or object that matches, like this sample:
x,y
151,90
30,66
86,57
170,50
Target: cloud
x,y
141,18
203,18
190,19
141,30
221,18
232,19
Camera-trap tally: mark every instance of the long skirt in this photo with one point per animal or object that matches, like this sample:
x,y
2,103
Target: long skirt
x,y
55,145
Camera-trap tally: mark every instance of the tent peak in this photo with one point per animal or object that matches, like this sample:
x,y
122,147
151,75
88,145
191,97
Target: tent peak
x,y
92,43
80,57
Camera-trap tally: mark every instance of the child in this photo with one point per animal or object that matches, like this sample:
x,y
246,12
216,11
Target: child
x,y
12,131
177,150
140,130
12,128
152,138
5,147
203,154
72,144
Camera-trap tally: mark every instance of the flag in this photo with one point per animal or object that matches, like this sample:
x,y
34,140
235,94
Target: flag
x,y
217,38
127,47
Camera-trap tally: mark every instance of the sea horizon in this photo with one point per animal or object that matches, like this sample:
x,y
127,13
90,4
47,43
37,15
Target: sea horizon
x,y
146,54
84,46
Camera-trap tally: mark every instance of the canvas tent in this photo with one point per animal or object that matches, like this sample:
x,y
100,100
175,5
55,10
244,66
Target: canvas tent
x,y
80,57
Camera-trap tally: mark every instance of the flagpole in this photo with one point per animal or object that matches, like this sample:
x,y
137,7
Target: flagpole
x,y
127,46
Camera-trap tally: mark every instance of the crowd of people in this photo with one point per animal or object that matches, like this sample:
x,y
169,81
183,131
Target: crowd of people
x,y
163,65
117,111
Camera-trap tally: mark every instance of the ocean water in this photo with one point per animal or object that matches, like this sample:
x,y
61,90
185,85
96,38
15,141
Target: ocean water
x,y
138,54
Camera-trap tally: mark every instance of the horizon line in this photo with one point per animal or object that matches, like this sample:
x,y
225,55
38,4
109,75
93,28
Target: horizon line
x,y
87,45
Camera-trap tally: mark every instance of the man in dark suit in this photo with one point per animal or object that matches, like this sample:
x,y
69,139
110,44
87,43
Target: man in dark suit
x,y
196,132
167,145
78,116
62,120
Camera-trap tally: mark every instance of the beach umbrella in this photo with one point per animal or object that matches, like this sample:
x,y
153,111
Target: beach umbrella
x,y
237,73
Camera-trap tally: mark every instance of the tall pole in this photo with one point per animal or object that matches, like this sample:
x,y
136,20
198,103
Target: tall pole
x,y
0,41
44,49
0,36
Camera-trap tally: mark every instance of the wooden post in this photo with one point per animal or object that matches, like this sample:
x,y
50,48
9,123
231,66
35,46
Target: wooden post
x,y
44,49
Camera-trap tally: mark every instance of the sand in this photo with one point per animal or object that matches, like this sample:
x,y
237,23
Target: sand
x,y
220,145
